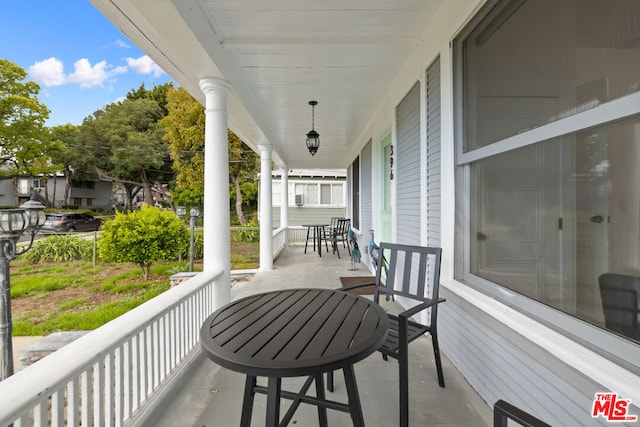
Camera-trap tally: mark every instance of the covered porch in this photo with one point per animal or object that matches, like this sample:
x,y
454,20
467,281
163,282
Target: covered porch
x,y
208,395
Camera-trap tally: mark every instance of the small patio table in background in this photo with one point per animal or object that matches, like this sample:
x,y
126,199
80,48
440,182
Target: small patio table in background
x,y
318,232
295,333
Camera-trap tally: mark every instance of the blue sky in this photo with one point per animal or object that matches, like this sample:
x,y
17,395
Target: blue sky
x,y
81,61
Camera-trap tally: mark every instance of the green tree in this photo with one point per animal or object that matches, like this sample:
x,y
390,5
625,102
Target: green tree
x,y
184,129
23,140
65,153
142,237
157,94
243,167
125,144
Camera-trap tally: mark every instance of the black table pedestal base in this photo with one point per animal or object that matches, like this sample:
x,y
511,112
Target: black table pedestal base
x,y
274,393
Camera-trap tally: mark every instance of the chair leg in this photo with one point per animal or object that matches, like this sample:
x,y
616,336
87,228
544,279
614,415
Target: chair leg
x,y
436,355
403,366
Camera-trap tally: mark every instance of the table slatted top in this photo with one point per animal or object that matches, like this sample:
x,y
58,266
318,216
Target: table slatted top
x,y
294,332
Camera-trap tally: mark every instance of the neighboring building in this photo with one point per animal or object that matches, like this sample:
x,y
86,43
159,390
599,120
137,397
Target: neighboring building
x,y
86,194
314,195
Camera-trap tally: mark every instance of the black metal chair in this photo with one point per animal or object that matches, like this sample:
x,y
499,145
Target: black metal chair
x,y
619,295
413,273
340,234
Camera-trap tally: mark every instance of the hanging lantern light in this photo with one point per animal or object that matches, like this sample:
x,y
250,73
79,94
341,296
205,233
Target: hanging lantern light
x,y
313,137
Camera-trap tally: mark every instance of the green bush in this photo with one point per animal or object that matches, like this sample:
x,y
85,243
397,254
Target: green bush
x,y
142,237
248,233
59,248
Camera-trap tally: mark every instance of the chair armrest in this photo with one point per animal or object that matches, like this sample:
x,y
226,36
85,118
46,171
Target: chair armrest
x,y
359,285
415,309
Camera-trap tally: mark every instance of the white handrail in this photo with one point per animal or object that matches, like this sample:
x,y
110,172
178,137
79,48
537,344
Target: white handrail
x,y
104,377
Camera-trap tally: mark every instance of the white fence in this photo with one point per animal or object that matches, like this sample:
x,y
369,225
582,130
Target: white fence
x,y
105,377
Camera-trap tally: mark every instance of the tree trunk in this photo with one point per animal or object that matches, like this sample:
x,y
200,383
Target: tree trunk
x,y
16,194
146,185
67,186
46,191
236,186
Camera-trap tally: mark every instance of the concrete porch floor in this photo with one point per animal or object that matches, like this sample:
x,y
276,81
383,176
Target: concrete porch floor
x,y
206,395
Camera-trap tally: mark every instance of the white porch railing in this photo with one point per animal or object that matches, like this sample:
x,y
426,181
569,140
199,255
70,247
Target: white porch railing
x,y
279,241
106,377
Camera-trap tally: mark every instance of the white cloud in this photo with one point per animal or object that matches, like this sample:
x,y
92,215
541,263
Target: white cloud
x,y
144,65
87,75
122,44
49,72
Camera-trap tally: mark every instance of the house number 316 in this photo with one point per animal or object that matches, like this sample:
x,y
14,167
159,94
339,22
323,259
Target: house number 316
x,y
391,162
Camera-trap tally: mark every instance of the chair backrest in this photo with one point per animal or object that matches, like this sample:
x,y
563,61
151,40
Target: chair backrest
x,y
619,294
342,227
334,222
409,271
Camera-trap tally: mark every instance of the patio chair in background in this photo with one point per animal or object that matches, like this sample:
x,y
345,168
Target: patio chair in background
x,y
619,294
413,273
341,234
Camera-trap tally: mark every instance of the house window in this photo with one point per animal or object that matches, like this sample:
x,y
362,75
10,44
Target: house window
x,y
331,194
318,193
77,201
548,144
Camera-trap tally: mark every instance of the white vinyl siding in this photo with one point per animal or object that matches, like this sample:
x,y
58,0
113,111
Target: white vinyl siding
x,y
408,167
433,154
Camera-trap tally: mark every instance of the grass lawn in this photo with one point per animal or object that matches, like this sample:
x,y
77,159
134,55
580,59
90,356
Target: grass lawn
x,y
75,295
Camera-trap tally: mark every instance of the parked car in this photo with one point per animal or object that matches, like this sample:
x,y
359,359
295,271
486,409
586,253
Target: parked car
x,y
69,222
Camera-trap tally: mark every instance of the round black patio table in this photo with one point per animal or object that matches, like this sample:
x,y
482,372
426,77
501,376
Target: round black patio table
x,y
293,333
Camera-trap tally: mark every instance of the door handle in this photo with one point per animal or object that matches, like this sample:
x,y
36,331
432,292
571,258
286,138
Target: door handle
x,y
597,219
481,236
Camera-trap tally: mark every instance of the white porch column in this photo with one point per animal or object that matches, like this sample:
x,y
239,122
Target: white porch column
x,y
284,200
266,215
217,241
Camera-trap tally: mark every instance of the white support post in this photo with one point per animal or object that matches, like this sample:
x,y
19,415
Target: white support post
x,y
217,240
266,215
284,200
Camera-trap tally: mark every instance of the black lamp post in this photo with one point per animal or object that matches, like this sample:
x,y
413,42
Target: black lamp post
x,y
313,137
13,223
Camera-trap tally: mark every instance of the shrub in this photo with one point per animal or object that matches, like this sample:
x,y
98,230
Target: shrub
x,y
59,248
142,237
198,246
248,233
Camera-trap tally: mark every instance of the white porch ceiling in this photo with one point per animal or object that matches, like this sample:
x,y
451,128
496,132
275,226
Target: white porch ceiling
x,y
279,55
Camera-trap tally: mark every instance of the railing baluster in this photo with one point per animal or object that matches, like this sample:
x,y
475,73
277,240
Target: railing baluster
x,y
40,414
118,387
108,390
98,393
86,398
57,408
126,388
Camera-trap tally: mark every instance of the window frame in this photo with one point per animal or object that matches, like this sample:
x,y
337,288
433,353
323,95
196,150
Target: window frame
x,y
598,339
